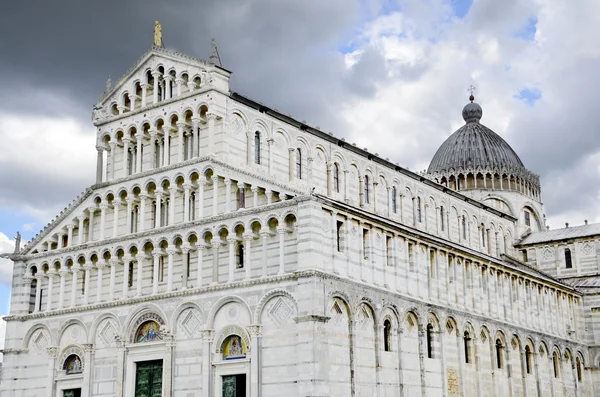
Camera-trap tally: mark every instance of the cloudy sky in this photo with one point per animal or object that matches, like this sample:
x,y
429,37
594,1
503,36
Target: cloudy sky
x,y
390,75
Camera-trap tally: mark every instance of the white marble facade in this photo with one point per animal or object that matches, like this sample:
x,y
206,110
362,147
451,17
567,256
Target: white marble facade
x,y
337,273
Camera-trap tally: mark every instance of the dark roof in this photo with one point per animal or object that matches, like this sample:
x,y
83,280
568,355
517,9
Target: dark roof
x,y
474,146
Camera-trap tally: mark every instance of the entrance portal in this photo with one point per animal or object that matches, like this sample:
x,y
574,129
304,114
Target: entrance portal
x,y
72,393
234,385
148,378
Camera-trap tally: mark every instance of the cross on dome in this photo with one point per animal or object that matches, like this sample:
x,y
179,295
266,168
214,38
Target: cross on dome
x,y
471,90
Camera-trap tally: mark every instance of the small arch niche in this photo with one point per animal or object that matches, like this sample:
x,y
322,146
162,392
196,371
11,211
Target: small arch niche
x,y
149,331
233,348
73,365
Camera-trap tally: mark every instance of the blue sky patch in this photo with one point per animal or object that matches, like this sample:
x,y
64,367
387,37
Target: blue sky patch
x,y
527,32
461,7
529,95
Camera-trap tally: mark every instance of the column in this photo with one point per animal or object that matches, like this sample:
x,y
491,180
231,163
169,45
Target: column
x,y
142,213
329,182
126,260
100,268
139,136
199,263
91,211
345,185
38,292
211,131
80,231
88,352
113,273
168,80
185,249
375,184
50,274
269,195
126,156
215,205
166,146
144,94
99,165
269,152
171,207
70,235
292,163
241,200
59,240
153,149
158,199
61,292
86,291
170,253
186,202
361,191
116,206
121,350
155,76
249,138
215,268
196,135
139,276
179,83
282,231
156,257
231,241
227,195
74,270
207,339
103,208
113,149
264,236
255,336
181,141
248,255
254,196
200,199
168,366
52,354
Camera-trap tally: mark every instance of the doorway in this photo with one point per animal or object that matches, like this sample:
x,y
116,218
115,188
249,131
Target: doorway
x,y
234,385
72,393
148,378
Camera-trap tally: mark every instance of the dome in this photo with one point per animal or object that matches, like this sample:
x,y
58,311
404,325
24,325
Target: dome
x,y
474,146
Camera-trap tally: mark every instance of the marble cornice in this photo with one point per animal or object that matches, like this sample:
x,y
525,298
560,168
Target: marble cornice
x,y
167,229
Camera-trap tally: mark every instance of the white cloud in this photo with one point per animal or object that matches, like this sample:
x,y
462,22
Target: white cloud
x,y
6,266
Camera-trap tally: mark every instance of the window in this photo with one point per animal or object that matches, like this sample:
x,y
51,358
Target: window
x,y
134,219
556,363
257,147
83,282
482,235
499,353
130,161
336,177
387,336
525,256
130,275
164,213
388,250
367,189
189,259
442,224
568,261
298,163
467,346
240,257
161,269
394,202
32,292
419,209
527,218
528,359
464,227
429,341
192,206
241,197
340,224
411,257
578,368
365,243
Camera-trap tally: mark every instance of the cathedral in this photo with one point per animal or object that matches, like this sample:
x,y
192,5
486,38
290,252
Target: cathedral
x,y
227,250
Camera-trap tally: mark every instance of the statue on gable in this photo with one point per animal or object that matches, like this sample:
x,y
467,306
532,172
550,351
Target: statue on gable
x,y
17,243
98,112
158,34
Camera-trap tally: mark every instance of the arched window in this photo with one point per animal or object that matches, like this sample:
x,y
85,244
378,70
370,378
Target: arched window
x,y
130,275
482,235
367,189
442,224
556,363
578,368
233,347
429,341
419,209
192,206
528,359
130,161
257,147
394,203
387,336
568,261
467,346
499,354
298,163
464,227
72,365
240,256
336,177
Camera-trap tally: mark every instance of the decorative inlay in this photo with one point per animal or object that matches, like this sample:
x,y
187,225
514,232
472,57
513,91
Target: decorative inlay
x,y
280,311
232,312
587,249
75,332
547,254
108,333
236,126
449,327
40,341
336,313
325,225
363,318
190,323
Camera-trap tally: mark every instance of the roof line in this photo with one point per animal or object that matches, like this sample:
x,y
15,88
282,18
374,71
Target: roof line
x,y
386,163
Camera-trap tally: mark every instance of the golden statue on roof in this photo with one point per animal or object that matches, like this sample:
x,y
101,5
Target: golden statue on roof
x,y
157,34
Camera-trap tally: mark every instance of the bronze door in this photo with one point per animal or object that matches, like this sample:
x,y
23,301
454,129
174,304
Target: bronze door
x,y
148,379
